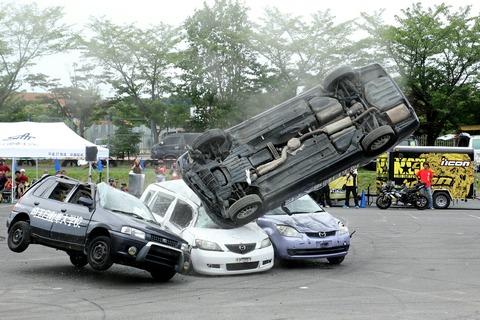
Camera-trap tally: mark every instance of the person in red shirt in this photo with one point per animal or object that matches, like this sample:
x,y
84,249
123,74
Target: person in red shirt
x,y
425,176
4,168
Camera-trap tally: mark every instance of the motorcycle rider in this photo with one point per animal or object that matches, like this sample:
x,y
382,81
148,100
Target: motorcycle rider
x,y
425,176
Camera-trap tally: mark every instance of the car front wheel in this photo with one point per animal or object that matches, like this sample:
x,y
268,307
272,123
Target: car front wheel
x,y
78,259
213,138
19,236
162,275
99,253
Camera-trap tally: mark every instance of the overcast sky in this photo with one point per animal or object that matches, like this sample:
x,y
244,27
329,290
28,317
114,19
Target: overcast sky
x,y
174,12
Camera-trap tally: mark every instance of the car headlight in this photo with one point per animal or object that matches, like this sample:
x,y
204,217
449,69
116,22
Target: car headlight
x,y
265,243
207,245
288,231
342,229
133,232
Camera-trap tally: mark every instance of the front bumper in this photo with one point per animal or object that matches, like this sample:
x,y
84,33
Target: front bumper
x,y
226,263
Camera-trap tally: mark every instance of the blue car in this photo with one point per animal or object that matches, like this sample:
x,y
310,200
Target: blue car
x,y
302,230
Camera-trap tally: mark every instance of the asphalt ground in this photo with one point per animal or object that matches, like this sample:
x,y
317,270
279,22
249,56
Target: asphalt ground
x,y
403,264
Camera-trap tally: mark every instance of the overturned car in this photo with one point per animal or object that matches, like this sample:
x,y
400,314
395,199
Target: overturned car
x,y
296,147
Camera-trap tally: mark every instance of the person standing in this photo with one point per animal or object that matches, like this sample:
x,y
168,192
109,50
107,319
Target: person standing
x,y
351,188
137,167
425,176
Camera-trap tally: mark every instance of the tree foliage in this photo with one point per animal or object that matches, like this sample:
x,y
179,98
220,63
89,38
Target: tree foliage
x,y
220,69
437,54
26,34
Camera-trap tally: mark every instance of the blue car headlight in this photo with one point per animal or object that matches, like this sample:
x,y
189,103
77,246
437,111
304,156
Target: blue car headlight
x,y
288,231
133,232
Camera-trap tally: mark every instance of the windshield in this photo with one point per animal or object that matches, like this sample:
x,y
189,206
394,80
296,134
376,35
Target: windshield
x,y
203,220
304,204
119,201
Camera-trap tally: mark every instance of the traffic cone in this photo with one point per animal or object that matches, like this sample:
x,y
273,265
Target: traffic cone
x,y
363,201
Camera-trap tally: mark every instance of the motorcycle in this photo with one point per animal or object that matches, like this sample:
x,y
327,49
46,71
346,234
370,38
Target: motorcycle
x,y
405,195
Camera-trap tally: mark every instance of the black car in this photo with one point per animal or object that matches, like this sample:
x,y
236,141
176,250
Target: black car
x,y
173,145
297,146
95,224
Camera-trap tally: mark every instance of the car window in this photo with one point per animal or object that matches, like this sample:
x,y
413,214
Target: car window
x,y
189,138
204,220
114,199
161,203
42,188
476,144
171,140
182,214
81,191
61,191
304,204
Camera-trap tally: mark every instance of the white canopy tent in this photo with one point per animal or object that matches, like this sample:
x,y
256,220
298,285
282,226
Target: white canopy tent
x,y
44,140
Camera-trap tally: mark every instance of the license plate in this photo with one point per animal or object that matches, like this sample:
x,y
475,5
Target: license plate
x,y
243,260
326,243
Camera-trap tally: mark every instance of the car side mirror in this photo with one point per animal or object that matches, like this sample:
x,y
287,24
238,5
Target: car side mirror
x,y
87,202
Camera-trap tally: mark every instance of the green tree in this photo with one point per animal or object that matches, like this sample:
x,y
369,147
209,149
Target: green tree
x,y
300,51
437,55
26,34
220,69
137,63
124,143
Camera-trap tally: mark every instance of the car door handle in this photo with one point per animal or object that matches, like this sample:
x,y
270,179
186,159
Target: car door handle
x,y
36,203
63,210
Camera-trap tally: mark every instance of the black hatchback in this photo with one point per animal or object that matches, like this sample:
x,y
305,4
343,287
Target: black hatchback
x,y
298,146
95,224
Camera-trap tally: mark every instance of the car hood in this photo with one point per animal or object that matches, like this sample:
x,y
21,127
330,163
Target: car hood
x,y
304,222
246,234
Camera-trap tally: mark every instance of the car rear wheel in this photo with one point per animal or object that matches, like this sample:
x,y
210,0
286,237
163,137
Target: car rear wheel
x,y
335,260
378,141
19,236
78,259
244,209
209,139
337,75
162,275
99,253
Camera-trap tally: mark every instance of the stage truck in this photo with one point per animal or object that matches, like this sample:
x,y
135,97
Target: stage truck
x,y
453,169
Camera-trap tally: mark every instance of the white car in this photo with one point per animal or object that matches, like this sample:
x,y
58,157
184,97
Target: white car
x,y
214,251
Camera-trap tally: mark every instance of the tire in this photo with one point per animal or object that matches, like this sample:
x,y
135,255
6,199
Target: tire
x,y
98,255
19,236
383,202
335,76
244,209
214,137
78,259
162,275
378,141
441,200
335,260
421,202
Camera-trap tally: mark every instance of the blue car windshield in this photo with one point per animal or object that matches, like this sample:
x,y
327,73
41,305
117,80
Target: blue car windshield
x,y
304,204
116,200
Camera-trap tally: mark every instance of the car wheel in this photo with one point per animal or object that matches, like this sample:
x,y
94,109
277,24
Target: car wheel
x,y
244,209
421,202
333,78
383,202
335,260
441,200
214,137
19,236
99,253
162,275
378,141
78,259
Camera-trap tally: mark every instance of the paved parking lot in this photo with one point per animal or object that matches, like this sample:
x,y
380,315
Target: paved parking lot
x,y
403,264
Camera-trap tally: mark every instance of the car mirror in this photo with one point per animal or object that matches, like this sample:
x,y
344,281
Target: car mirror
x,y
85,201
287,211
